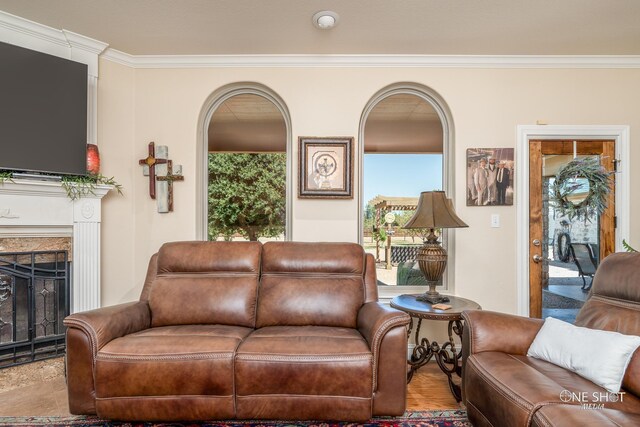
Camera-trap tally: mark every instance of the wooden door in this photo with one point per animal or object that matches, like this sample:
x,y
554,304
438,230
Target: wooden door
x,y
537,150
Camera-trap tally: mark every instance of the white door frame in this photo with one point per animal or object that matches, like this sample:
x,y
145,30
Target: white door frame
x,y
620,134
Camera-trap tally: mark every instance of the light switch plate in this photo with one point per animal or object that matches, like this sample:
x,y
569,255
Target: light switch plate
x,y
495,220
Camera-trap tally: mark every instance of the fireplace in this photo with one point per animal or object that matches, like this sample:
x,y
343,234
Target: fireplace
x,y
34,299
42,209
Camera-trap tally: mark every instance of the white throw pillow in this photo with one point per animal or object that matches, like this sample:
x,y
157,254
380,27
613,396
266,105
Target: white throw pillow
x,y
599,356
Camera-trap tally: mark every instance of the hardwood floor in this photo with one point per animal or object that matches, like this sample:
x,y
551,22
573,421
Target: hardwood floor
x,y
39,389
429,390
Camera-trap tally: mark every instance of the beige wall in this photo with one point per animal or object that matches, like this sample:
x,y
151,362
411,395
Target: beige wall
x,y
138,106
117,151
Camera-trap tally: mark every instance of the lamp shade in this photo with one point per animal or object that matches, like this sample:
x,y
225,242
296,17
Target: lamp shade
x,y
434,211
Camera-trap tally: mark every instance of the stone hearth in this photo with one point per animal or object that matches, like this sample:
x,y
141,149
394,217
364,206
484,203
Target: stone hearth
x,y
28,244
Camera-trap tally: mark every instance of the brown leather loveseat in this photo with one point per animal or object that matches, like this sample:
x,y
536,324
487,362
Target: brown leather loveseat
x,y
243,330
504,387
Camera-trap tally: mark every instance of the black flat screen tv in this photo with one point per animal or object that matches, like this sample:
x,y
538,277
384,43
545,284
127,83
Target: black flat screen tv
x,y
43,112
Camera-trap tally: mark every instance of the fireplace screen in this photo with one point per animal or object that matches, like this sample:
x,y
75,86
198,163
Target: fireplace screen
x,y
34,299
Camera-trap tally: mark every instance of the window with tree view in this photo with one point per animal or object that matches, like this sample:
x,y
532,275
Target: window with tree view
x,y
247,170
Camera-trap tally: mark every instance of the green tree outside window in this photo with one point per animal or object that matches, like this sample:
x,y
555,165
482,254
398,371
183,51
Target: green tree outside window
x,y
247,195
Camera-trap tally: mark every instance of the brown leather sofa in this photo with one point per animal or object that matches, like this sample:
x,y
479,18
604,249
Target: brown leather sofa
x,y
243,330
504,387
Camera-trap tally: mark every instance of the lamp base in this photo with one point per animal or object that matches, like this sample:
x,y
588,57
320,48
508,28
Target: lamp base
x,y
432,296
432,259
433,299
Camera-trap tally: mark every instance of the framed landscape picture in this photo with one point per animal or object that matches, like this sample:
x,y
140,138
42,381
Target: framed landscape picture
x,y
490,174
325,167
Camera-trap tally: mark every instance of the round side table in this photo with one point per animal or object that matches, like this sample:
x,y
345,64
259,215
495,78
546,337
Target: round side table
x,y
447,356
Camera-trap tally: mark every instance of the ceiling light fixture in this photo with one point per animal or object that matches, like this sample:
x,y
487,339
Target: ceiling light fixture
x,y
325,19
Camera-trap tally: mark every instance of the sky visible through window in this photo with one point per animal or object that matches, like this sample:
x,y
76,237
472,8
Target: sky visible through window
x,y
401,175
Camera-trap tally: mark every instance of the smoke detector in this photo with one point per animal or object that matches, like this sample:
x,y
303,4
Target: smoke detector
x,y
325,19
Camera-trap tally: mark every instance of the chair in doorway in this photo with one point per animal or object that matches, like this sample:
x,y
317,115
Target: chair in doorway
x,y
583,256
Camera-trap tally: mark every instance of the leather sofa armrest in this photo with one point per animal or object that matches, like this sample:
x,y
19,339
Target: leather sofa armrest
x,y
491,331
108,323
375,320
385,330
87,333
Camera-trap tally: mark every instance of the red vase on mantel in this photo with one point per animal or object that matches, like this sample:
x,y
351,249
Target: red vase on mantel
x,y
93,159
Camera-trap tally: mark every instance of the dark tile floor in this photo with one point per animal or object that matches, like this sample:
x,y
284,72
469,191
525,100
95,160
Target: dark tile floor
x,y
563,296
566,314
571,291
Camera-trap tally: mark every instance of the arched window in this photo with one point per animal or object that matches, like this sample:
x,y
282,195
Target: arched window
x,y
406,134
245,172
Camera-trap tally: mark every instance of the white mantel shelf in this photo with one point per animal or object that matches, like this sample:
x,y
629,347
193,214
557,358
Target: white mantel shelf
x,y
44,188
42,209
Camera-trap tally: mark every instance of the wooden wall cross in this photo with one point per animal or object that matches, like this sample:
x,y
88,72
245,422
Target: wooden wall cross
x,y
151,161
161,174
169,178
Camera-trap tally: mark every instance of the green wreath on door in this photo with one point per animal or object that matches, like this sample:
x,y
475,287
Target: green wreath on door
x,y
568,193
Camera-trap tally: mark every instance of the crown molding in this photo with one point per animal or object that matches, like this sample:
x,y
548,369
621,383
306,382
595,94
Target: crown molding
x,y
88,44
66,44
85,50
381,61
119,57
32,29
42,38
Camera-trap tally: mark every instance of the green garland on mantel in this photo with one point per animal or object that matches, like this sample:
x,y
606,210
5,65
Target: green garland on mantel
x,y
76,186
596,201
6,176
627,247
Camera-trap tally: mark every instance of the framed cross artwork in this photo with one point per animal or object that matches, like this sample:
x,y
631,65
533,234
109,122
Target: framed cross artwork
x,y
325,168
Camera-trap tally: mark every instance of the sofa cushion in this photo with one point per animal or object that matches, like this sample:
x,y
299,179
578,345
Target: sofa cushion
x,y
319,284
509,388
585,351
571,415
209,257
169,362
206,283
575,383
310,371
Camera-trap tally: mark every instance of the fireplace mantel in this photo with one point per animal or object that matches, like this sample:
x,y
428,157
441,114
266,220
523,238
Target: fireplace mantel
x,y
42,209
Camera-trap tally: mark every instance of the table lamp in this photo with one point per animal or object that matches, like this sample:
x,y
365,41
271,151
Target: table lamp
x,y
434,211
